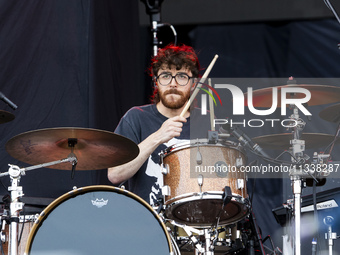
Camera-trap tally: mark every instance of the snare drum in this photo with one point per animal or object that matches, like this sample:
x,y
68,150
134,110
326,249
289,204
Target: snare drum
x,y
195,175
99,220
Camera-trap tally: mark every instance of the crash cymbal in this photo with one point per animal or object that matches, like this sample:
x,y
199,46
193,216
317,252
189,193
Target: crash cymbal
x,y
6,116
94,149
320,94
282,141
331,113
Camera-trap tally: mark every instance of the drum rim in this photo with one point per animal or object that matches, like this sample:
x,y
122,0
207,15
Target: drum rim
x,y
73,193
202,142
187,197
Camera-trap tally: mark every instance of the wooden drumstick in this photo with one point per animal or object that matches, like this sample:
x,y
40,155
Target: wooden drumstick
x,y
193,95
211,108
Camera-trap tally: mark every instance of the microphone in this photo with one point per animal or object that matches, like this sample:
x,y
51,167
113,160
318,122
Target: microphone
x,y
7,101
243,138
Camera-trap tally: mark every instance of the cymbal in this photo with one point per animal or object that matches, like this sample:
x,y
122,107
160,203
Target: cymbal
x,y
320,94
282,141
95,149
331,113
6,116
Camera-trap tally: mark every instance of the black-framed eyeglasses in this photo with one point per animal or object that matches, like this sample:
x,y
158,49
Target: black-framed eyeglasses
x,y
165,79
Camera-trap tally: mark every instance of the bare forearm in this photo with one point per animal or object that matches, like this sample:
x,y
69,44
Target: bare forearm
x,y
123,172
170,128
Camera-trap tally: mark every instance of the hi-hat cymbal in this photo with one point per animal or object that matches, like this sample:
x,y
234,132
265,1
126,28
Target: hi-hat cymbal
x,y
320,94
282,141
331,113
94,149
6,116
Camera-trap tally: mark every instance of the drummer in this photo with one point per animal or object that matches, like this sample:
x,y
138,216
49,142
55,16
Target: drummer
x,y
156,126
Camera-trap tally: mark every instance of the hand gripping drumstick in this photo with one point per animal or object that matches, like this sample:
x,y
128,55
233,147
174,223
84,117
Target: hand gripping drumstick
x,y
205,75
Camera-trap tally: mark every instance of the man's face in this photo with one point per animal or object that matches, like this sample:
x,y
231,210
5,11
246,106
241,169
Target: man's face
x,y
173,95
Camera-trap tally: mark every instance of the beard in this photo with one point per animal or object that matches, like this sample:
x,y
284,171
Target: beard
x,y
174,103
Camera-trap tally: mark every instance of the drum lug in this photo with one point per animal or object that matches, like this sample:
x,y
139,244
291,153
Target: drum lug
x,y
165,169
166,191
200,184
239,162
2,237
240,184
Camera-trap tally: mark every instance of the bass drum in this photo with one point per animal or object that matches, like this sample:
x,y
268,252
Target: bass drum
x,y
99,220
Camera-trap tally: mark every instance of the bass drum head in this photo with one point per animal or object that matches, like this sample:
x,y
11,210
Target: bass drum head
x,y
98,220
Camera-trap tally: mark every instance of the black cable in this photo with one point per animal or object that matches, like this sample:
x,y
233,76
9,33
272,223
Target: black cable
x,y
256,231
172,28
23,225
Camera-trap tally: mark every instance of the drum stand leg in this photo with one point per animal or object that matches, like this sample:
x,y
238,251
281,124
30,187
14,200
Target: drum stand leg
x,y
209,246
200,249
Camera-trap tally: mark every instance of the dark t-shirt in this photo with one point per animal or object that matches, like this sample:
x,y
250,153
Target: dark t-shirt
x,y
137,124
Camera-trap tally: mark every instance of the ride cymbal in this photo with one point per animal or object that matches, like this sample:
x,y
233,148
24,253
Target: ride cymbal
x,y
331,113
282,141
94,149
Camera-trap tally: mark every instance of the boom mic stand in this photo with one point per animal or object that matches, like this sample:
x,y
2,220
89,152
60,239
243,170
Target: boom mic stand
x,y
153,8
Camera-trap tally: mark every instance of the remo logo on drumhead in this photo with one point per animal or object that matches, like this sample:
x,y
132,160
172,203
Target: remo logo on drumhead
x,y
99,202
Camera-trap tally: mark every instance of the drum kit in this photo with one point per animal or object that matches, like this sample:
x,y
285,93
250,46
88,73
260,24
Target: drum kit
x,y
199,214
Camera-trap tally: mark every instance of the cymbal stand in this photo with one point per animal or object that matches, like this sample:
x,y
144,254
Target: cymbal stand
x,y
16,206
298,147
